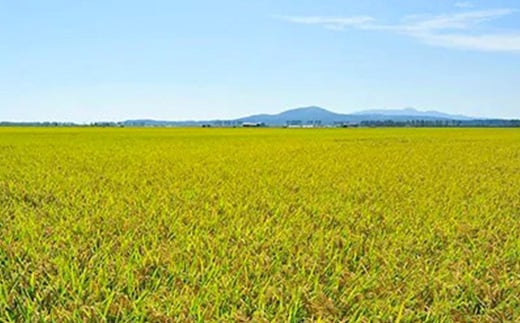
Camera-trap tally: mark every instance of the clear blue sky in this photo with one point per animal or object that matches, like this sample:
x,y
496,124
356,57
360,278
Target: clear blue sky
x,y
87,60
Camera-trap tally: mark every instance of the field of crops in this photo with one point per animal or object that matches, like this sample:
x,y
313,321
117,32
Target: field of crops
x,y
231,225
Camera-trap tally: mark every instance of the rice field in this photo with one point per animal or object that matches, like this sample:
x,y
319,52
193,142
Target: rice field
x,y
260,225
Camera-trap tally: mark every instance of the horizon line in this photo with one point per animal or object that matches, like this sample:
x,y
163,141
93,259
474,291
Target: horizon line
x,y
374,111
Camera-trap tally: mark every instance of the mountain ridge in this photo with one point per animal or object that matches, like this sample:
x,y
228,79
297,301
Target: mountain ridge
x,y
310,116
314,113
414,112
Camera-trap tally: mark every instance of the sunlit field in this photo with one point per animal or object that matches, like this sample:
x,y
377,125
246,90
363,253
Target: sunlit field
x,y
237,225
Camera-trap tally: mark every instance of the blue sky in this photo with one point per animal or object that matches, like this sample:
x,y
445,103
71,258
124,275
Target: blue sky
x,y
115,60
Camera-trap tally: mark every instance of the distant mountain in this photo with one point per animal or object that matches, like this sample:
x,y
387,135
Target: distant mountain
x,y
304,115
411,112
309,114
314,114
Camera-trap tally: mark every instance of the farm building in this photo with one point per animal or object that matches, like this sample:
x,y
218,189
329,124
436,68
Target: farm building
x,y
253,124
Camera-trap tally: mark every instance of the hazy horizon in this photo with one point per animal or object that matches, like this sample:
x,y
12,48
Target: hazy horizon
x,y
117,60
390,112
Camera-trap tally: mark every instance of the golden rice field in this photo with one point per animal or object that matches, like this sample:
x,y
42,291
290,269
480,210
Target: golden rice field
x,y
261,225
